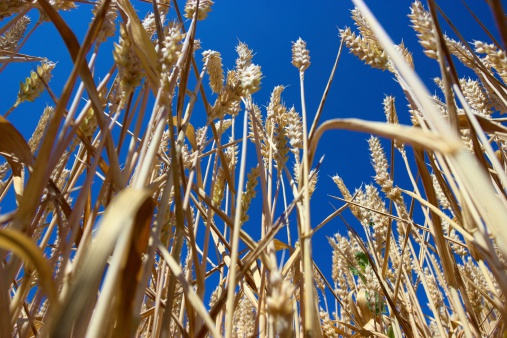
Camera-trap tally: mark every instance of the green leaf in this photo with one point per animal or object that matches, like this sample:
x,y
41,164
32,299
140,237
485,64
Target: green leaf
x,y
390,332
357,273
376,303
362,260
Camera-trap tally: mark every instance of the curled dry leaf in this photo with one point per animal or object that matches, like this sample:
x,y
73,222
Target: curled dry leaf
x,y
24,247
117,222
17,153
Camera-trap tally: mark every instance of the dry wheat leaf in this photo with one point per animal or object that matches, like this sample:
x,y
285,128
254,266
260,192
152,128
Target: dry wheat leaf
x,y
131,274
143,45
405,134
190,132
18,180
40,174
190,294
118,218
17,152
279,245
12,144
487,125
24,247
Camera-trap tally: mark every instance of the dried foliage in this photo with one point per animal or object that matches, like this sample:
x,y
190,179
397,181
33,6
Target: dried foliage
x,y
125,213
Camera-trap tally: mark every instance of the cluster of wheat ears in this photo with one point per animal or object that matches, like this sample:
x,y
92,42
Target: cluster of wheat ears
x,y
128,220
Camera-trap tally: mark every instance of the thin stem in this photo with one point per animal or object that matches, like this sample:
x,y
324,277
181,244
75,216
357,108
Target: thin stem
x,y
231,284
310,307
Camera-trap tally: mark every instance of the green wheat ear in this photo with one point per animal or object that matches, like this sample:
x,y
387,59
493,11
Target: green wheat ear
x,y
33,86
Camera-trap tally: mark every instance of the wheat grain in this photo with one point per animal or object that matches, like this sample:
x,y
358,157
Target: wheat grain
x,y
33,86
300,55
10,40
422,23
213,63
202,13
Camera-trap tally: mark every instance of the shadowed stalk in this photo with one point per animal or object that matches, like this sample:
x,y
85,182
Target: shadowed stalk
x,y
138,213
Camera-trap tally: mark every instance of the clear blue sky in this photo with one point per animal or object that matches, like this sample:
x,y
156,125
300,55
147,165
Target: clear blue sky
x,y
268,27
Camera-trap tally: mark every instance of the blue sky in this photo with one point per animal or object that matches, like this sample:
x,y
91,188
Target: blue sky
x,y
269,27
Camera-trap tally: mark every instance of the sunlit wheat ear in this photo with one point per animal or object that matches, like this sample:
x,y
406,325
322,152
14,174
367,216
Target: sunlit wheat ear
x,y
434,292
171,50
186,157
459,50
257,114
377,220
498,252
250,79
279,305
300,55
89,124
312,181
9,7
475,282
213,63
366,46
495,58
245,56
176,309
442,199
392,117
163,6
40,129
244,319
33,86
230,156
425,28
229,99
164,143
476,97
215,295
196,46
150,24
4,168
456,244
59,5
108,27
202,13
249,193
223,125
276,108
130,70
10,40
64,5
407,55
328,325
343,258
346,195
370,285
380,165
383,179
319,282
369,52
262,134
294,130
275,125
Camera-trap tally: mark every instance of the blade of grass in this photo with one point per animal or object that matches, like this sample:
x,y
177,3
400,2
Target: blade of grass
x,y
115,225
22,246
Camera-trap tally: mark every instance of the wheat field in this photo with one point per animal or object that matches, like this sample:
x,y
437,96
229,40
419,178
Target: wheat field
x,y
121,217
